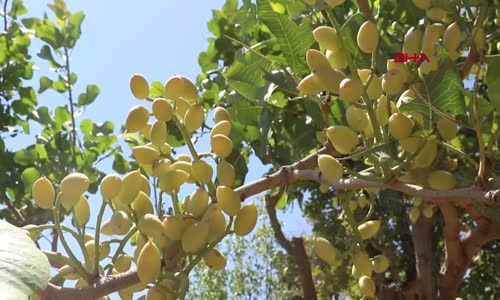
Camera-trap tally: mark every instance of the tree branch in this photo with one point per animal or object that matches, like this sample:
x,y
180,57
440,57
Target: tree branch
x,y
421,236
460,251
105,286
364,8
276,226
295,248
302,261
291,175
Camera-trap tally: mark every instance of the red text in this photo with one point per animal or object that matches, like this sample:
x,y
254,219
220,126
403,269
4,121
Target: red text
x,y
400,57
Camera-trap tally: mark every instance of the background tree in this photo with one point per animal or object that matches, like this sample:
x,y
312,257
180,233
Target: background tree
x,y
393,161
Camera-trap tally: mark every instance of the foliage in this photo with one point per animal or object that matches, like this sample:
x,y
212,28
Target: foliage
x,y
61,138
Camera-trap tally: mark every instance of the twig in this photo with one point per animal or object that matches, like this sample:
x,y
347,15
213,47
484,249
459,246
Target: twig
x,y
15,212
71,108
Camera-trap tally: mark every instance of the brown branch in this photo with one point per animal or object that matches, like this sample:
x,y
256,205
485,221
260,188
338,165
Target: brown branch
x,y
460,251
482,234
15,212
421,236
276,226
290,175
295,248
55,238
107,285
471,59
302,261
364,8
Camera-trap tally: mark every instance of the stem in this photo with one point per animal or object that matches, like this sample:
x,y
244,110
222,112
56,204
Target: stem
x,y
5,22
97,235
67,229
175,203
354,74
158,202
119,250
351,220
477,125
61,275
197,259
194,153
459,152
70,97
79,268
365,177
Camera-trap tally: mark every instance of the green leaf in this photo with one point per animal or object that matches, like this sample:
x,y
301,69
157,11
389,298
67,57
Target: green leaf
x,y
17,9
41,152
277,99
24,269
89,96
157,89
29,176
86,126
46,53
246,113
443,89
74,25
293,39
60,8
49,33
105,128
120,164
59,85
25,157
281,204
73,77
493,81
45,83
44,115
62,115
247,75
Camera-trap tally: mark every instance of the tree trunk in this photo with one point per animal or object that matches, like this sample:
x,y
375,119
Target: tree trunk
x,y
421,236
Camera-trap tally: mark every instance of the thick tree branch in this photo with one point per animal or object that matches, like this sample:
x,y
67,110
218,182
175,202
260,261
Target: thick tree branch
x,y
292,176
460,251
302,261
106,286
421,236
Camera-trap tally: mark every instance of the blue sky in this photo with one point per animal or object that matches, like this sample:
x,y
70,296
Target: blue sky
x,y
157,39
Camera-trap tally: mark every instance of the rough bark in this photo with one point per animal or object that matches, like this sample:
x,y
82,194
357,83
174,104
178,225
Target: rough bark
x,y
421,237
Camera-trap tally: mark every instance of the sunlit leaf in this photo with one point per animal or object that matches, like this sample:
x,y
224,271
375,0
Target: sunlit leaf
x,y
293,39
89,96
24,269
29,176
443,90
